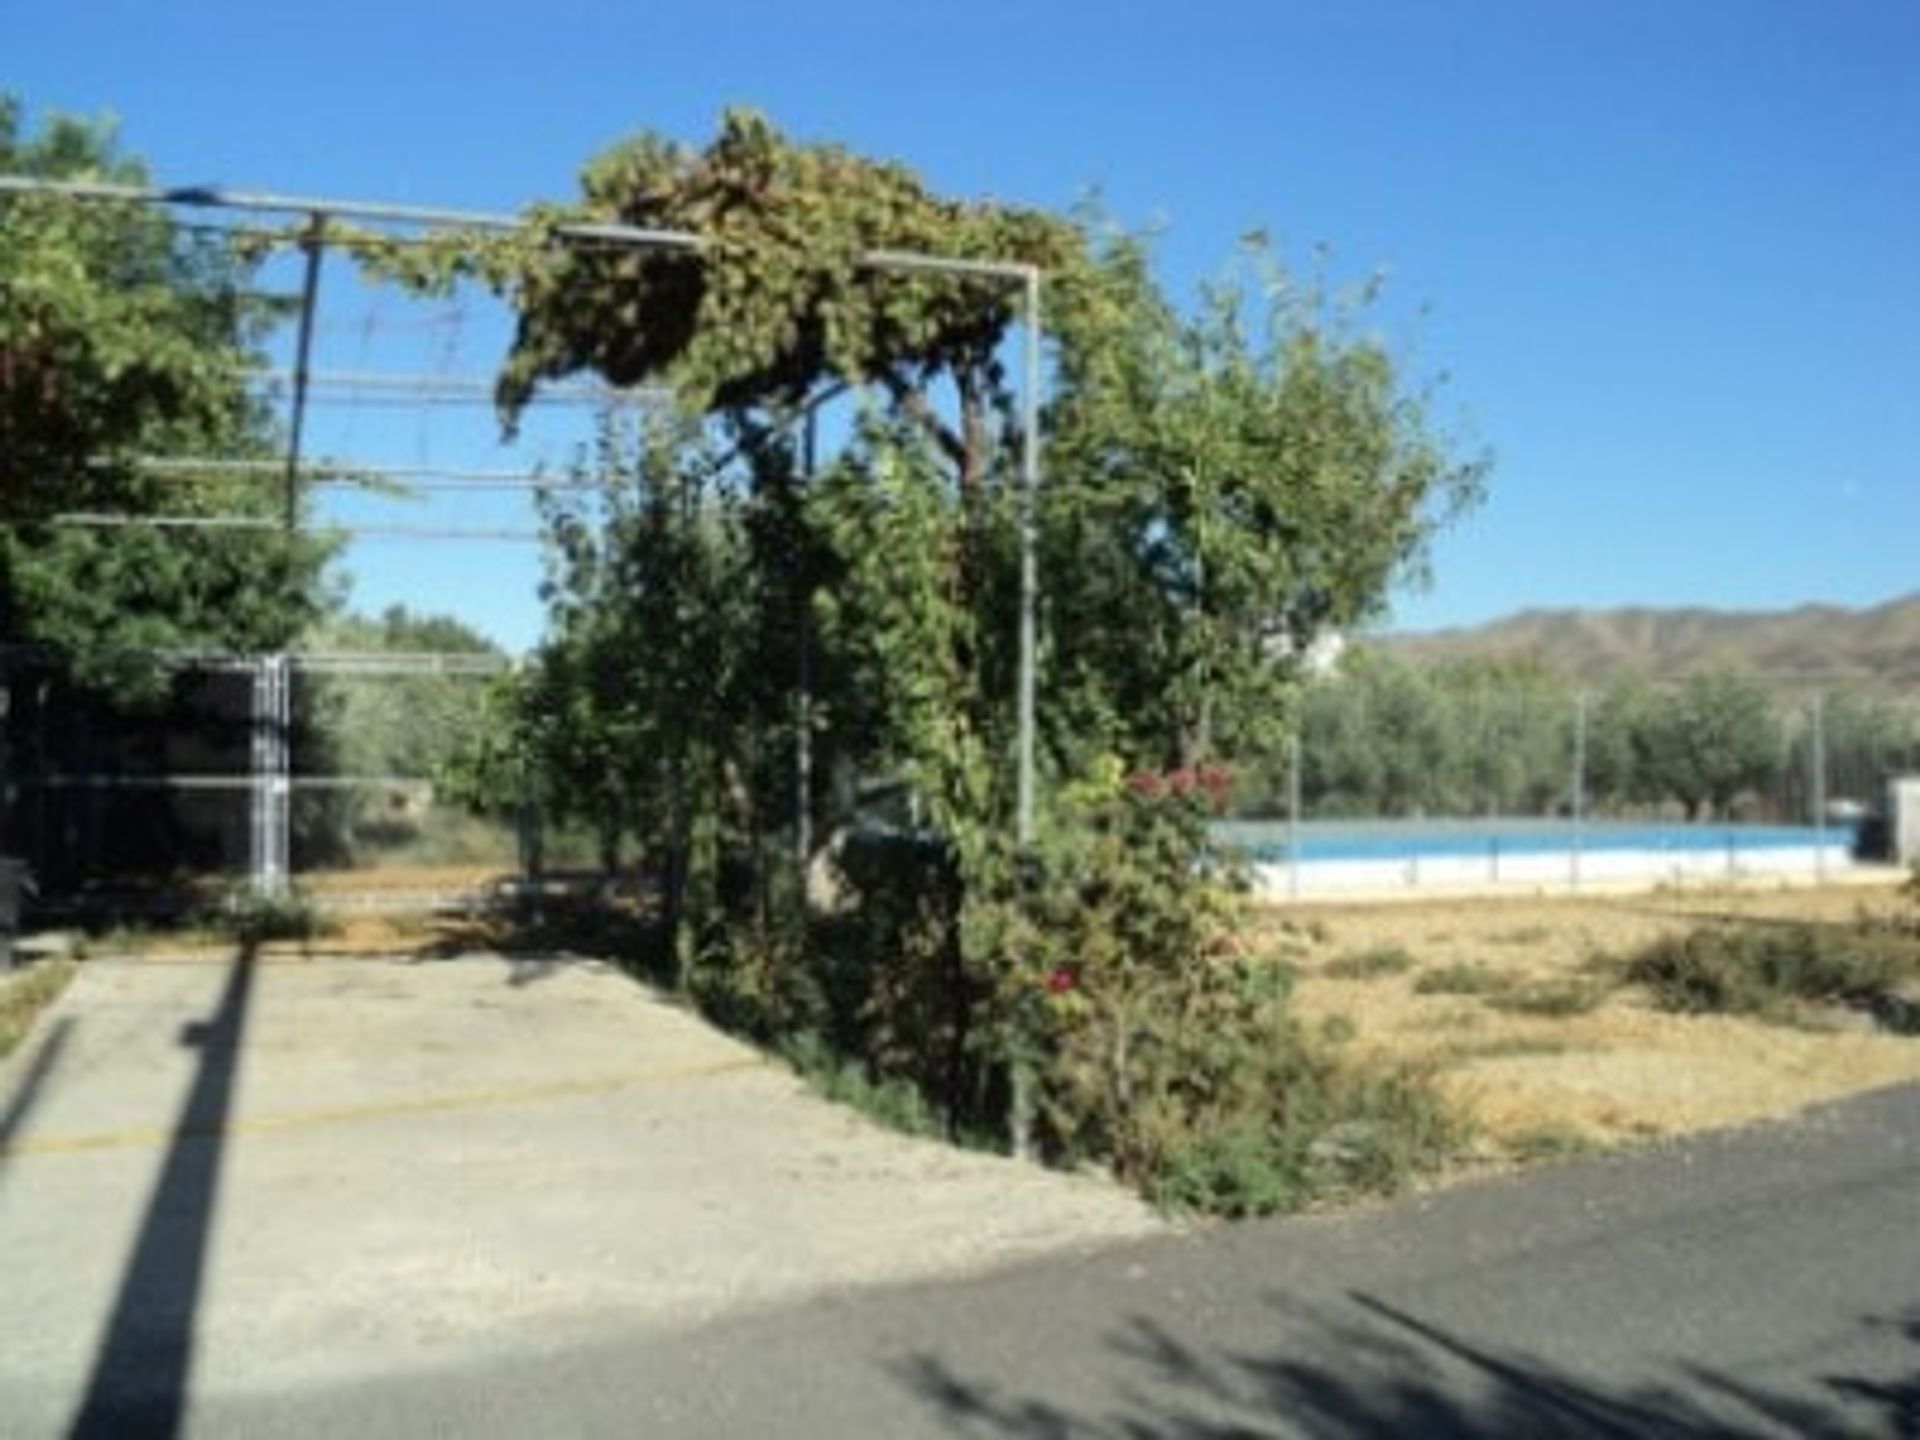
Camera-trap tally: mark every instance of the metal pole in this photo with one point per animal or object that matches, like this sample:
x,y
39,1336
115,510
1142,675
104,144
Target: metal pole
x,y
1818,761
214,198
1579,782
803,718
257,788
1029,561
282,835
1293,814
315,246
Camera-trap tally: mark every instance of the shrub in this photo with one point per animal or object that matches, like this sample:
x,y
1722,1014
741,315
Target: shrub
x,y
1462,979
1369,964
894,1104
1329,1132
1165,1045
1768,970
1549,999
255,919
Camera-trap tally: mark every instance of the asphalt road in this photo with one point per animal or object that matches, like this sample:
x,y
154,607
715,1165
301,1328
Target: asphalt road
x,y
1766,1282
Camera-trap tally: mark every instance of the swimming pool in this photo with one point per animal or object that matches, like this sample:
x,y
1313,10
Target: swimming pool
x,y
1325,856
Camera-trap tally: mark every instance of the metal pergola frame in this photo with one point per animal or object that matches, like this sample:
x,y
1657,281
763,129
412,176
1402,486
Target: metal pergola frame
x,y
318,211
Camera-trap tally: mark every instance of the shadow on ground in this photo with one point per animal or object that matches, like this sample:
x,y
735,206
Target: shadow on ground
x,y
1367,1368
140,1375
27,1093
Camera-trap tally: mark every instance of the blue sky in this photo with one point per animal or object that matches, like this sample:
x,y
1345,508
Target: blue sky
x,y
1665,252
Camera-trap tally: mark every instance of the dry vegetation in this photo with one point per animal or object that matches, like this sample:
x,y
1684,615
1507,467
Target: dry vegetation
x,y
1517,1004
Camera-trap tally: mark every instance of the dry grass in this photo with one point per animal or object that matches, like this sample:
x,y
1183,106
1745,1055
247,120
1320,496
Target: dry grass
x,y
1541,1045
24,994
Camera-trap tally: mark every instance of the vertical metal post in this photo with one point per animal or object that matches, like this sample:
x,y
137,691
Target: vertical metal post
x,y
1579,784
271,788
257,777
1293,814
1029,561
1817,762
803,702
314,244
1021,1104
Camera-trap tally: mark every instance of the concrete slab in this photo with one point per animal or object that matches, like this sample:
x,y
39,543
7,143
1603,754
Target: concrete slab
x,y
228,1176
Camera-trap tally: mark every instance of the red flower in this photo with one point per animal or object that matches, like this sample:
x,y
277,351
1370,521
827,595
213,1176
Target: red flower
x,y
1145,782
1061,979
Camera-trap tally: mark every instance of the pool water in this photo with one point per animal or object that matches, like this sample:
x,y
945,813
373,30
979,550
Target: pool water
x,y
1268,841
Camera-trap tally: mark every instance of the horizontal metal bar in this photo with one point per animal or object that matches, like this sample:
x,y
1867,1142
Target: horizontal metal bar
x,y
264,202
137,782
89,520
314,472
411,662
450,661
389,380
237,522
224,782
913,260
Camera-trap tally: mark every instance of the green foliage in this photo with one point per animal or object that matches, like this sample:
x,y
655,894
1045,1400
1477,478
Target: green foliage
x,y
1339,1132
1386,736
1224,489
1220,489
121,337
1166,1048
252,918
1710,740
895,1104
1773,971
1369,964
1464,978
1389,738
1550,999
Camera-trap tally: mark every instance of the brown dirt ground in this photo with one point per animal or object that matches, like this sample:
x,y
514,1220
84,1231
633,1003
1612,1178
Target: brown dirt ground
x,y
1621,1071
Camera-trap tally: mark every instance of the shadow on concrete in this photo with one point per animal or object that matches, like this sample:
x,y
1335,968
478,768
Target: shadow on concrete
x,y
1376,1370
537,946
27,1094
139,1382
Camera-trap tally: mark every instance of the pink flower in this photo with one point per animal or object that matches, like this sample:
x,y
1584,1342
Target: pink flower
x,y
1061,979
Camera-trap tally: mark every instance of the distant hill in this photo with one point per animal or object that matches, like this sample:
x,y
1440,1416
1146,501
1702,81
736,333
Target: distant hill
x,y
1811,644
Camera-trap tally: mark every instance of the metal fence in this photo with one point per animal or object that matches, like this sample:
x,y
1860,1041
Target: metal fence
x,y
248,771
1412,776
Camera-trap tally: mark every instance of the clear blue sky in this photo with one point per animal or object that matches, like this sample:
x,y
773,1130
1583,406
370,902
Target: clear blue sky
x,y
1668,253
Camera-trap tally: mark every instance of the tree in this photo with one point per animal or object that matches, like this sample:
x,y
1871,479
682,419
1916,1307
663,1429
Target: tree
x,y
121,337
1213,502
1232,485
1711,739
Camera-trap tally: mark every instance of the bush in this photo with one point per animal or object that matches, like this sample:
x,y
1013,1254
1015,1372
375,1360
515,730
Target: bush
x,y
255,919
1771,970
1369,964
893,1104
1166,1045
1549,999
1328,1133
1462,979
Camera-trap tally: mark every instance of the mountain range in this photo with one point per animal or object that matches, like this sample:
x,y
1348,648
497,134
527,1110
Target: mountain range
x,y
1808,644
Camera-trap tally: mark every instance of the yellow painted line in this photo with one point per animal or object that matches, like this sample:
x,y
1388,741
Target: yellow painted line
x,y
346,1114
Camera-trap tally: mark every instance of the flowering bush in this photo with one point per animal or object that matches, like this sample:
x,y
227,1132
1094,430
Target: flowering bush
x,y
1162,1040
